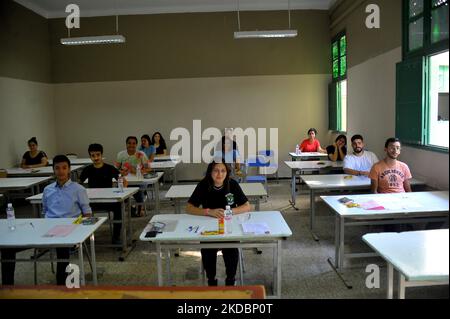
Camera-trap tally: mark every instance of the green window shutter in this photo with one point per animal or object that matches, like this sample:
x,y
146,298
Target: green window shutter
x,y
332,107
409,119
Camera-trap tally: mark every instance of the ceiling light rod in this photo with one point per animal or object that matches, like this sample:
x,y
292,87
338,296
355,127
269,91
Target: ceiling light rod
x,y
102,39
265,34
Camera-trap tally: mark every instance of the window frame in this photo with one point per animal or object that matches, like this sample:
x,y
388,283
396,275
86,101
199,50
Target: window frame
x,y
335,125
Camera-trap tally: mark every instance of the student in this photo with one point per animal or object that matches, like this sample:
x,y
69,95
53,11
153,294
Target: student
x,y
311,144
227,152
34,158
100,175
159,144
209,198
127,162
338,150
147,147
390,175
361,161
61,199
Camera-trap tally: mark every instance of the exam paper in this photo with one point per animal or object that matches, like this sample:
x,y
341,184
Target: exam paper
x,y
60,231
255,228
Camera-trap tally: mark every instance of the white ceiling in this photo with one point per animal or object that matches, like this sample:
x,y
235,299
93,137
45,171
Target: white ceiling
x,y
90,8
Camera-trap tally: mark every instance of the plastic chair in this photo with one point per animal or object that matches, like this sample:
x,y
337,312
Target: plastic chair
x,y
258,162
270,156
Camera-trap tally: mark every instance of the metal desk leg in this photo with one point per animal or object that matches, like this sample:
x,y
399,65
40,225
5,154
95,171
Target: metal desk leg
x,y
390,281
81,261
159,264
94,262
278,283
338,264
341,243
169,273
313,214
35,209
156,185
401,286
257,204
293,194
124,228
177,206
175,181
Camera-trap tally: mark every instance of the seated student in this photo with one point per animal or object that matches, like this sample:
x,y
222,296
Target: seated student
x,y
127,162
338,150
159,144
390,175
209,198
34,158
226,151
147,147
361,161
61,199
311,144
100,175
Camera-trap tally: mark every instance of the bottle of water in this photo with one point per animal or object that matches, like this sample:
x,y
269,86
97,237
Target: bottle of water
x,y
120,183
138,172
11,217
228,218
297,149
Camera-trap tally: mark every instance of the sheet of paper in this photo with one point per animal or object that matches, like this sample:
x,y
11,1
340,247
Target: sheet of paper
x,y
399,204
255,228
371,205
60,231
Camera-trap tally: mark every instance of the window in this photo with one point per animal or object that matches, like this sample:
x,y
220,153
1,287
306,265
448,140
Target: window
x,y
338,86
437,132
422,88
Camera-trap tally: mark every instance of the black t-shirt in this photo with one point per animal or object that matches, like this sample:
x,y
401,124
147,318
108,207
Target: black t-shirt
x,y
33,160
331,149
99,177
213,198
160,149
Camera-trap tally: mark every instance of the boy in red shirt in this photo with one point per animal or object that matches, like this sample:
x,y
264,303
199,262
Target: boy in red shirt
x,y
390,175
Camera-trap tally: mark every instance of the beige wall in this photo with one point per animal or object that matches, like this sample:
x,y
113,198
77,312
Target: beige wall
x,y
192,45
107,112
26,110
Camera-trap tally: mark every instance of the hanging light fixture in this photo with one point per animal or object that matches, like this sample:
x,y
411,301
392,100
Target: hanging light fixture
x,y
102,39
290,33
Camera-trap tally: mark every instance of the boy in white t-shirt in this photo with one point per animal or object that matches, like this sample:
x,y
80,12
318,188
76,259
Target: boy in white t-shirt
x,y
361,161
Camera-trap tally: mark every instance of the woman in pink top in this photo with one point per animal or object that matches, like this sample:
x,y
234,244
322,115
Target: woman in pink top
x,y
311,144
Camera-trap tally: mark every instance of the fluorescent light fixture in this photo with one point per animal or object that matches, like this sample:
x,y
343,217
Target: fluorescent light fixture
x,y
265,34
103,39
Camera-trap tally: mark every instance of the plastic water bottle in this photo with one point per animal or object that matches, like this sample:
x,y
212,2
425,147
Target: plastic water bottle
x,y
138,172
120,183
228,218
297,149
11,217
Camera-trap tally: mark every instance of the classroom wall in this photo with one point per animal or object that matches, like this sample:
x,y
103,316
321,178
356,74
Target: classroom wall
x,y
372,56
175,68
26,97
107,112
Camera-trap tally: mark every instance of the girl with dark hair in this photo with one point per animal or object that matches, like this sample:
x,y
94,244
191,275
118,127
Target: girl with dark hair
x,y
311,144
147,147
227,152
159,144
34,157
338,150
216,191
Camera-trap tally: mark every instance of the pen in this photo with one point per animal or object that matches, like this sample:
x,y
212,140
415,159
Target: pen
x,y
32,225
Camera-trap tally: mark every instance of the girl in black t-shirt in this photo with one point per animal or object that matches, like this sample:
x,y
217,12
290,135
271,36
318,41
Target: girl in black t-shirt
x,y
210,197
34,158
338,150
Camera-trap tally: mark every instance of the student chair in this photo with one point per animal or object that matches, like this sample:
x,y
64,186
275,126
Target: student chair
x,y
270,156
257,162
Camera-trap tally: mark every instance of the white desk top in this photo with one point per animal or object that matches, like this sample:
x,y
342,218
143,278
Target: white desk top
x,y
75,161
21,182
342,181
41,171
308,154
398,203
174,158
313,165
133,180
274,219
185,191
418,255
27,235
98,195
164,164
